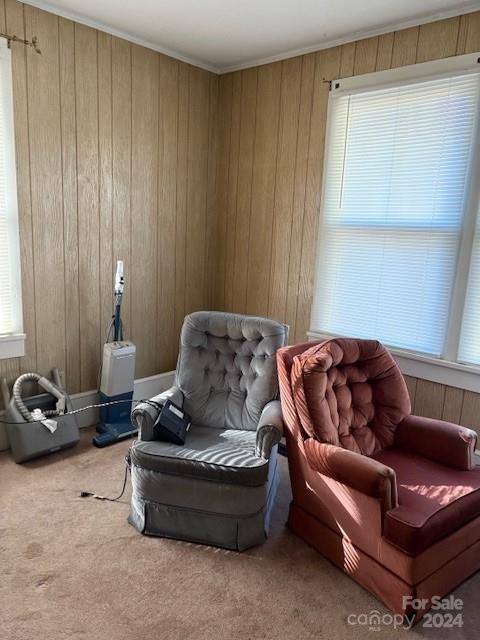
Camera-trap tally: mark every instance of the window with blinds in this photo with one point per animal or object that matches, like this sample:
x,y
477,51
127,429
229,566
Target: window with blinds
x,y
396,197
10,284
469,350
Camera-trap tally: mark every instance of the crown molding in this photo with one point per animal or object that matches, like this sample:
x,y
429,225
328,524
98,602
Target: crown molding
x,y
352,37
256,62
100,26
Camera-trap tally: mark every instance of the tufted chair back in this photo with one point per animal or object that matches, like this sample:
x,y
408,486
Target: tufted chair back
x,y
349,393
227,367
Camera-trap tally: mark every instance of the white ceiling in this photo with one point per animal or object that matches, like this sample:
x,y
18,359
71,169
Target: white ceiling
x,y
222,35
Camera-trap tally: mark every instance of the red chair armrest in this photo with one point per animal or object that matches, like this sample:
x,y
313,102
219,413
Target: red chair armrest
x,y
354,470
440,441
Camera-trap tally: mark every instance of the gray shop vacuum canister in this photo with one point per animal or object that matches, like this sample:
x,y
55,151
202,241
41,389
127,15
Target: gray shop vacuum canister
x,y
29,439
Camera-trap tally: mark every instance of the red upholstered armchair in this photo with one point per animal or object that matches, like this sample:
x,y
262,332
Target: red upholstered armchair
x,y
390,498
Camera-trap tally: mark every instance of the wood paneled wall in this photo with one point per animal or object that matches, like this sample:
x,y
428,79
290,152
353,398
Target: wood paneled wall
x,y
115,152
272,122
208,188
447,403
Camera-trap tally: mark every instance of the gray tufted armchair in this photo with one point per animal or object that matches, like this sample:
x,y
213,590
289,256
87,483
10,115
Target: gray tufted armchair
x,y
219,487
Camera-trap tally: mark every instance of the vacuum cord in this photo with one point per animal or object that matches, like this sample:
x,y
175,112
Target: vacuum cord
x,y
89,494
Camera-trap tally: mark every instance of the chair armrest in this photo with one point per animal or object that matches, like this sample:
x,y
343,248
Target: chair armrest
x,y
440,441
144,415
357,471
269,429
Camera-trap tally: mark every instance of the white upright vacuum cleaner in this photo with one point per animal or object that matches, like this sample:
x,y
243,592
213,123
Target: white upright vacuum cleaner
x,y
118,375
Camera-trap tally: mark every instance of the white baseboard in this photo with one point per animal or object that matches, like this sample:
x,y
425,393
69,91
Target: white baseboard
x,y
144,388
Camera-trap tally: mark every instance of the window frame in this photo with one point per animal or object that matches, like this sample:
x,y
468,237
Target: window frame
x,y
12,345
445,369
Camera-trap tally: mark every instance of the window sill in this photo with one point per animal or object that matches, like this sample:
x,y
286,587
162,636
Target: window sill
x,y
12,346
453,374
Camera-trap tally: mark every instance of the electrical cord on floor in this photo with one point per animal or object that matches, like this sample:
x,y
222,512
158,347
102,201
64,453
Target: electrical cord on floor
x,y
89,494
282,449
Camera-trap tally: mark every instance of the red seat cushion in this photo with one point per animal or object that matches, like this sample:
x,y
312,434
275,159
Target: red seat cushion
x,y
434,500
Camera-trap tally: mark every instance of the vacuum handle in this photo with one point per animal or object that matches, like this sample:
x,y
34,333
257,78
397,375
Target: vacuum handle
x,y
51,388
57,378
119,281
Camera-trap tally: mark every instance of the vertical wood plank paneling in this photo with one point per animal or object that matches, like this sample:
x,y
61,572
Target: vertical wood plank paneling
x,y
196,264
232,191
384,52
12,12
167,211
80,210
248,109
263,185
222,171
284,187
182,193
122,165
46,189
452,404
301,166
429,398
412,388
221,210
86,95
347,59
438,39
405,47
291,284
472,35
365,56
105,151
327,66
145,79
462,35
70,225
210,249
470,415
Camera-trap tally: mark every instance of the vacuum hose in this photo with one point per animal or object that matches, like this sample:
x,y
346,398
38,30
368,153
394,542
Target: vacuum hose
x,y
45,384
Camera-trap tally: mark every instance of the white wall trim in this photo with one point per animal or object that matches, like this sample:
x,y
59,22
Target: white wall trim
x,y
101,26
144,388
399,76
452,374
12,346
351,37
255,62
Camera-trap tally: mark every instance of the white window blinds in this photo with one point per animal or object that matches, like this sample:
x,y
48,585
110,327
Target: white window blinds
x,y
395,189
10,286
469,349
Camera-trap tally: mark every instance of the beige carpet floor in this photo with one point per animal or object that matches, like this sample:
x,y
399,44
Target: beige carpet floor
x,y
74,568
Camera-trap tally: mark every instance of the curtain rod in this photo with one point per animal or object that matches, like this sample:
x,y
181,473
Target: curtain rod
x,y
29,43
